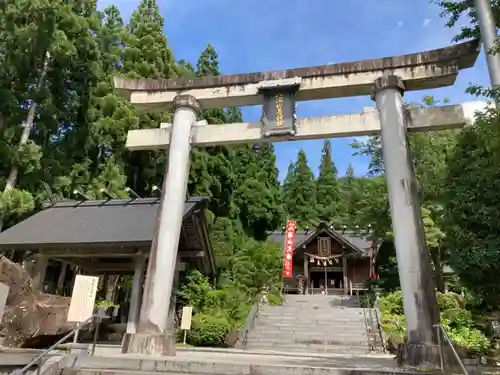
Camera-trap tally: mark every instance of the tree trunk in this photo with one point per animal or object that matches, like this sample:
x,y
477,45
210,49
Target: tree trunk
x,y
438,269
30,119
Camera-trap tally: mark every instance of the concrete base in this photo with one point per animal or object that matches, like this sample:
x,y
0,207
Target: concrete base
x,y
419,355
149,344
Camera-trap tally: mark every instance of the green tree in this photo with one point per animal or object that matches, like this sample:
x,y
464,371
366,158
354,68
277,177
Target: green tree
x,y
48,66
472,210
351,195
258,196
287,190
327,189
147,53
303,192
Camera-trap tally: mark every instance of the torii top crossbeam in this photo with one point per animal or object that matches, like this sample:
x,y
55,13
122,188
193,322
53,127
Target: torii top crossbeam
x,y
423,70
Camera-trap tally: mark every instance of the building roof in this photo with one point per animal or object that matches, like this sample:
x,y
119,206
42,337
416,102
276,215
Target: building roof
x,y
357,241
93,223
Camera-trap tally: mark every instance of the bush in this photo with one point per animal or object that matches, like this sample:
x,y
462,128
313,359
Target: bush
x,y
446,301
471,339
209,330
392,303
457,321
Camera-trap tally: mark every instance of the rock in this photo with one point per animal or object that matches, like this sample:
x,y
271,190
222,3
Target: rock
x,y
29,313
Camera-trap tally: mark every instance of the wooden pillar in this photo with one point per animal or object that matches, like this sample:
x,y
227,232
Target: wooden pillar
x,y
344,272
41,262
306,274
105,285
76,271
61,279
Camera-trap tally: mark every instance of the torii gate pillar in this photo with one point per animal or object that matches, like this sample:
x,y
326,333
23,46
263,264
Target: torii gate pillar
x,y
412,253
155,336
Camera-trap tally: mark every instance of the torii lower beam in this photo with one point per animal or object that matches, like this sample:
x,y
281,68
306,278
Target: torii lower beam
x,y
350,125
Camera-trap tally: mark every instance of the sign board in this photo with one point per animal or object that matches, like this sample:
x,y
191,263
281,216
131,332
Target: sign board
x,y
187,313
278,110
83,296
4,293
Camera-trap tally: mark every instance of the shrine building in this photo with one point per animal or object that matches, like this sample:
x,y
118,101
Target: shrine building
x,y
329,261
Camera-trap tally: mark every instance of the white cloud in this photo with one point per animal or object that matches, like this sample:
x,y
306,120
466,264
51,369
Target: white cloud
x,y
426,22
400,23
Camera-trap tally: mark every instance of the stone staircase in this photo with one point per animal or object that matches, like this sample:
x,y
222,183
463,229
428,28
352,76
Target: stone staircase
x,y
311,324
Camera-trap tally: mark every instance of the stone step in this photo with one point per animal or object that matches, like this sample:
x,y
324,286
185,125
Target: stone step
x,y
313,315
310,307
303,333
234,364
324,327
313,320
269,329
319,310
321,303
328,341
310,348
312,311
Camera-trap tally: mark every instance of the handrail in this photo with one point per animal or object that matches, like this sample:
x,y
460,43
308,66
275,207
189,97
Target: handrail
x,y
379,329
249,322
376,306
367,329
47,351
440,328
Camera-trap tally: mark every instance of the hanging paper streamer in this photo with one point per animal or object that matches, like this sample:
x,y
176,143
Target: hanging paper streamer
x,y
324,260
291,227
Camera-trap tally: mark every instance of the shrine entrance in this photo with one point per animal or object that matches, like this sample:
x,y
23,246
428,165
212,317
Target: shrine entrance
x,y
326,281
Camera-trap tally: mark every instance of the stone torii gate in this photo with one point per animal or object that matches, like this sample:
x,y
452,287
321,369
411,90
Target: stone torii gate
x,y
384,79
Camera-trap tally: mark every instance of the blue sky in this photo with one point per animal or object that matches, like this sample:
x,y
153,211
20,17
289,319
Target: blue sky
x,y
255,35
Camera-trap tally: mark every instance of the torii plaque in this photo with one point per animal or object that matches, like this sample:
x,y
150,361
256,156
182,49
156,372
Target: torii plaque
x,y
385,79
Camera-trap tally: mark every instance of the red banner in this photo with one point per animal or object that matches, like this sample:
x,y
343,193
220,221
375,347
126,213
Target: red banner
x,y
291,227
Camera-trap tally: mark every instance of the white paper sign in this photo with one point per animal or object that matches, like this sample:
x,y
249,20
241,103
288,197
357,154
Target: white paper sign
x,y
4,293
83,296
187,313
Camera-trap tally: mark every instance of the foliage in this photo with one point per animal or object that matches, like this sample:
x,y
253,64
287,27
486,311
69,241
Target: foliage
x,y
456,320
327,189
472,214
209,330
301,193
248,267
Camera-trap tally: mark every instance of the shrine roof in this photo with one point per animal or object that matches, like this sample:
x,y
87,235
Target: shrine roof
x,y
92,223
357,240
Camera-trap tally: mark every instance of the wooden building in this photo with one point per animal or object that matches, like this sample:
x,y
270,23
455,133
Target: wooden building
x,y
329,261
106,238
103,238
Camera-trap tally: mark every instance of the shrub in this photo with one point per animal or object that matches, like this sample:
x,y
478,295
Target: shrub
x,y
457,321
209,330
471,339
446,301
392,303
